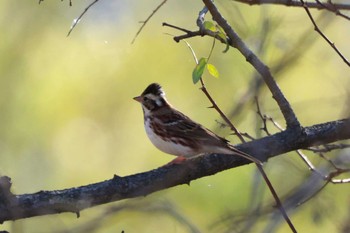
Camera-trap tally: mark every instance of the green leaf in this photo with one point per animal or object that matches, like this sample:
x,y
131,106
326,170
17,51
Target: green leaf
x,y
198,70
209,26
212,70
222,35
227,47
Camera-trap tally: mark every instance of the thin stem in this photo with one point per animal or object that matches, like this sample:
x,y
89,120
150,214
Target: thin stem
x,y
317,29
295,3
148,18
77,20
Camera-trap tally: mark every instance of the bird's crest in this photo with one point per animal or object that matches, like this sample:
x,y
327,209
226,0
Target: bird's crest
x,y
154,89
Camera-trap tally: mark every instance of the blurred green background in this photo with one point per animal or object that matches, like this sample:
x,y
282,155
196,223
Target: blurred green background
x,y
68,118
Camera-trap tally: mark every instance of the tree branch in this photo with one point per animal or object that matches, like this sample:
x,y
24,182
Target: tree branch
x,y
77,20
329,6
318,30
296,3
235,41
148,18
14,207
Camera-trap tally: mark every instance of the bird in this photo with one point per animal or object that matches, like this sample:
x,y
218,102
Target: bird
x,y
174,133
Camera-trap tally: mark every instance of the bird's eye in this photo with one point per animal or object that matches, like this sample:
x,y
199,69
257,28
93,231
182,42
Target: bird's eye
x,y
145,98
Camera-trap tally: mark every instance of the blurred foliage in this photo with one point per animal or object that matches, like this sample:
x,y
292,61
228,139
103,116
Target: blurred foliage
x,y
68,118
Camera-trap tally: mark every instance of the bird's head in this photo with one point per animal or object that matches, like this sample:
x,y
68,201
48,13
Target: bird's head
x,y
152,98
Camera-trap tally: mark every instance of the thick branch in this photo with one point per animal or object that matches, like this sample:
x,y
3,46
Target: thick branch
x,y
14,207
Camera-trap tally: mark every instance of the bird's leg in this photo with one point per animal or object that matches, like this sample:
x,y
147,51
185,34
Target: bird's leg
x,y
178,160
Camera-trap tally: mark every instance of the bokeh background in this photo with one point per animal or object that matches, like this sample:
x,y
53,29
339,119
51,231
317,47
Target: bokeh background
x,y
68,118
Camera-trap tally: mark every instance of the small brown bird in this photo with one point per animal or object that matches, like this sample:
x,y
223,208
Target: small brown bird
x,y
174,133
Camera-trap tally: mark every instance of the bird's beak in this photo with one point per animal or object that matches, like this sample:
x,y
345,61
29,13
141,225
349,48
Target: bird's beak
x,y
138,98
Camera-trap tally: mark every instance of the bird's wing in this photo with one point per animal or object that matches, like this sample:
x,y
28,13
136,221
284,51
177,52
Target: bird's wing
x,y
177,122
177,125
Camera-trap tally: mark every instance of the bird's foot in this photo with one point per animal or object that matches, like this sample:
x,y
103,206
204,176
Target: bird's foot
x,y
177,160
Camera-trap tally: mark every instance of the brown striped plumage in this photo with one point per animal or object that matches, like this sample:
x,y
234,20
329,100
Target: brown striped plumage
x,y
174,133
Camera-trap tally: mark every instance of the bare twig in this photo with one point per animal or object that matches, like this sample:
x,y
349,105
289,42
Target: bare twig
x,y
176,27
190,34
329,178
163,207
330,6
275,123
296,3
148,18
311,167
70,2
76,21
278,202
317,29
247,135
263,118
282,64
328,148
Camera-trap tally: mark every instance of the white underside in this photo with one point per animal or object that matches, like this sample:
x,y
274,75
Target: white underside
x,y
166,146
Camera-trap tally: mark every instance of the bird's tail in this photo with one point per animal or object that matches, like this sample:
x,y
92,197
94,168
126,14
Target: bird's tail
x,y
245,155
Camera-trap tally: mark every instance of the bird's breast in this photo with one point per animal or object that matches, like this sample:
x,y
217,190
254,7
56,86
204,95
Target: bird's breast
x,y
163,142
